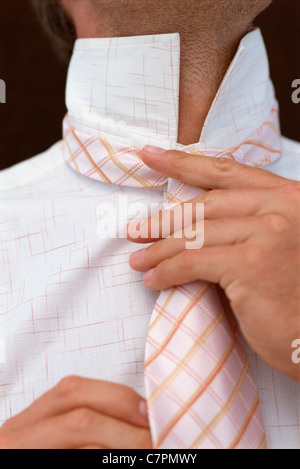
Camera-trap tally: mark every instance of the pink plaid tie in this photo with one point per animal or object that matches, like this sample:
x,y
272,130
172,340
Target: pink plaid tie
x,y
199,387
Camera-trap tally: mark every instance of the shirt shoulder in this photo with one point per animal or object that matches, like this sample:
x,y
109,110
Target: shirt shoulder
x,y
29,171
288,165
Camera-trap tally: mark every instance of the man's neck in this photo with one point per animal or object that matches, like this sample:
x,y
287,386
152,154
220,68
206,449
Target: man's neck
x,y
201,74
206,50
127,89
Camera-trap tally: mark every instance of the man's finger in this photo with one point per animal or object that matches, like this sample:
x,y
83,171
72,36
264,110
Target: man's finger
x,y
209,173
79,428
110,399
218,204
225,232
211,264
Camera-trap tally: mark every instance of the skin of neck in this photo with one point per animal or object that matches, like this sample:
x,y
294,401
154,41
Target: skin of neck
x,y
209,36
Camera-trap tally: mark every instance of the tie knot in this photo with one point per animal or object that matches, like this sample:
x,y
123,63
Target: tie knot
x,y
113,162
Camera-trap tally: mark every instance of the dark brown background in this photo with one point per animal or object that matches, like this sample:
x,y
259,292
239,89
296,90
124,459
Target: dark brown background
x,y
30,121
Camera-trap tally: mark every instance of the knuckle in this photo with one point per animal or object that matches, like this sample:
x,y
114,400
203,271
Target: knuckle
x,y
275,223
210,196
81,419
238,297
178,161
155,251
225,166
68,386
186,260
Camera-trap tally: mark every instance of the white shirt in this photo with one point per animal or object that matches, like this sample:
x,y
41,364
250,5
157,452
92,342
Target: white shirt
x,y
69,302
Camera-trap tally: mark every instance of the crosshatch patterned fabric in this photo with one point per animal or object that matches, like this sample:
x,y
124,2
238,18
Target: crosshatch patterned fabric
x,y
116,163
69,302
200,392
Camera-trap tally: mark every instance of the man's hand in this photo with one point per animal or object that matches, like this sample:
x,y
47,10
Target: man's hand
x,y
81,413
251,248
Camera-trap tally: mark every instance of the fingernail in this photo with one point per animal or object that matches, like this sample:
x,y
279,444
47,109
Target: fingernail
x,y
148,276
137,255
154,150
143,409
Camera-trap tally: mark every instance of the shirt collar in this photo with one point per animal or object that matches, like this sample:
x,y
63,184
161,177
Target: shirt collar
x,y
127,89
